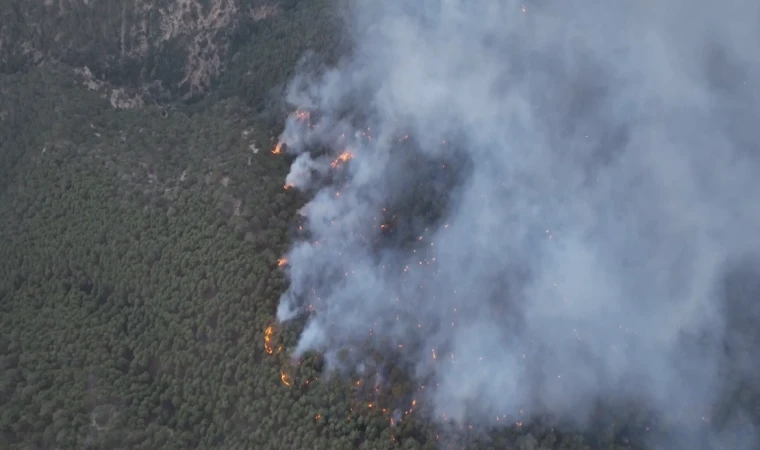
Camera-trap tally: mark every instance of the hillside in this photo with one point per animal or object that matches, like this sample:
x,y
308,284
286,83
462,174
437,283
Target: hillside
x,y
169,48
142,222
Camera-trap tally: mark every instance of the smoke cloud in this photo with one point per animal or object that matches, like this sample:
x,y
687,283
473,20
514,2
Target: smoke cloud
x,y
544,204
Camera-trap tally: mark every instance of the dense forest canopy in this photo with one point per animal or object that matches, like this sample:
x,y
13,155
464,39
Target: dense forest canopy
x,y
149,213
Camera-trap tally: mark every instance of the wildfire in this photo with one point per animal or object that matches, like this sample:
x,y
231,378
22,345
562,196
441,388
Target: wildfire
x,y
281,262
268,340
288,186
285,378
277,149
302,115
343,157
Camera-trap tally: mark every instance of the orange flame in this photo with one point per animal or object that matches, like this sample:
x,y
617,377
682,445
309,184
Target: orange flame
x,y
302,115
277,149
268,340
281,262
285,378
288,186
343,157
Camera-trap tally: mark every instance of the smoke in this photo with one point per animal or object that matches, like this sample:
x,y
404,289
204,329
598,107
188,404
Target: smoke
x,y
546,204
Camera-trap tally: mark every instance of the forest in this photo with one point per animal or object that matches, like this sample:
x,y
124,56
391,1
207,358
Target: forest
x,y
140,266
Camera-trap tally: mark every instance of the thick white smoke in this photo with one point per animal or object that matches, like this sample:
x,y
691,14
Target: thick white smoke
x,y
611,184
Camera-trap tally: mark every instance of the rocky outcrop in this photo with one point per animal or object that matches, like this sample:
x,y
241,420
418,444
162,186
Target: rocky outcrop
x,y
179,44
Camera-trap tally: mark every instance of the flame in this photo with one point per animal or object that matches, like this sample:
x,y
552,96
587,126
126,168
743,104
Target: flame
x,y
302,115
268,340
277,149
288,186
343,157
281,262
285,378
317,417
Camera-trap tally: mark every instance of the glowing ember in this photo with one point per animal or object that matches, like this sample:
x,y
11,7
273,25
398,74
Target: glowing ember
x,y
302,115
281,262
285,378
342,158
268,340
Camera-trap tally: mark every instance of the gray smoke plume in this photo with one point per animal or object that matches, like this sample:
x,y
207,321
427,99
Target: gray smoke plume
x,y
591,176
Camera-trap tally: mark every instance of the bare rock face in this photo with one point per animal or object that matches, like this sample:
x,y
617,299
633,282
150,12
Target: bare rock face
x,y
178,44
122,100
